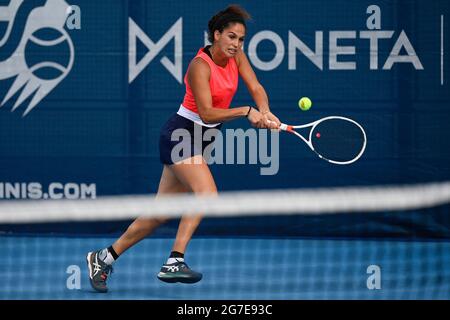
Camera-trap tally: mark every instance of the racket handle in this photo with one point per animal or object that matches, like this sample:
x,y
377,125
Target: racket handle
x,y
283,126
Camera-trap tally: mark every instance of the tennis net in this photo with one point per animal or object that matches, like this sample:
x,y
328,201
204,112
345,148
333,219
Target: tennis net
x,y
388,242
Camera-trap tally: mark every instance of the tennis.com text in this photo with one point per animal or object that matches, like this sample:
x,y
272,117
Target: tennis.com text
x,y
230,148
54,190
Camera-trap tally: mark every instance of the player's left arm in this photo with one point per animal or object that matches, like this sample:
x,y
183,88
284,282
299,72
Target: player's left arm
x,y
255,88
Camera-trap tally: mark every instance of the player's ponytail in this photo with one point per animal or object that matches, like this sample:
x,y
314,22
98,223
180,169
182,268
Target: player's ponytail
x,y
233,13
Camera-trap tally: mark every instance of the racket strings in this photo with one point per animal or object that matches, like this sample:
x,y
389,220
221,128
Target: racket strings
x,y
338,140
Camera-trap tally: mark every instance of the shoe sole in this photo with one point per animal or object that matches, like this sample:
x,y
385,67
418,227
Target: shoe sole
x,y
170,279
88,260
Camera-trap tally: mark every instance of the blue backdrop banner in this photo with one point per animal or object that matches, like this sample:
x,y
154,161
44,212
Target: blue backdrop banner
x,y
86,86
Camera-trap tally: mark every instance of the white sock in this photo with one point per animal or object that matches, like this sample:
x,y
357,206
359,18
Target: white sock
x,y
106,256
173,260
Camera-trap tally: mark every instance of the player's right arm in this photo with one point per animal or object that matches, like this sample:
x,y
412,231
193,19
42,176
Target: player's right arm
x,y
198,77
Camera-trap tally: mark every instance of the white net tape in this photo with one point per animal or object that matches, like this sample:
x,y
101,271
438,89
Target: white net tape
x,y
248,203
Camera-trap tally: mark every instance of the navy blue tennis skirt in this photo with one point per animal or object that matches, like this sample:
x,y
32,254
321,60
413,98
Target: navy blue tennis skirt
x,y
178,145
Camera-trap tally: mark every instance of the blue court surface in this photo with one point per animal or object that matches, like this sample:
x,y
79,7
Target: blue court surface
x,y
233,269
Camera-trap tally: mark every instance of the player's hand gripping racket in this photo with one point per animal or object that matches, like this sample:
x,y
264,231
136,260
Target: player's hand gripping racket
x,y
335,139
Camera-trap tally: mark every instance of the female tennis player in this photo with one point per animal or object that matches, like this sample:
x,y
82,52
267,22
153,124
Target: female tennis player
x,y
211,82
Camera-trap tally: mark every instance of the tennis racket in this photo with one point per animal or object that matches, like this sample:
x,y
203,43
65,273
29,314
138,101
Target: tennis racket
x,y
335,139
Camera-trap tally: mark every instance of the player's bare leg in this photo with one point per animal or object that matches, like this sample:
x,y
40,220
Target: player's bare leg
x,y
196,176
100,262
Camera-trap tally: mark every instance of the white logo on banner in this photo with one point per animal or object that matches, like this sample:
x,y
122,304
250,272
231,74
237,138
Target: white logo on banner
x,y
52,15
175,32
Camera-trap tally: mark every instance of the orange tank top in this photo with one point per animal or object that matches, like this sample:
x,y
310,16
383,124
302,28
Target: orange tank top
x,y
223,84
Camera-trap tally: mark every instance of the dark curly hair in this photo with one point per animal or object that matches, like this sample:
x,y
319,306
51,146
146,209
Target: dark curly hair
x,y
233,13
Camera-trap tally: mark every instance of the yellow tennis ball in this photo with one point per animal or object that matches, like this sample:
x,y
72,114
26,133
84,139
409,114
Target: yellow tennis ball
x,y
304,103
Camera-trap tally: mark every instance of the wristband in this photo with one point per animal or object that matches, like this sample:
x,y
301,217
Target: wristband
x,y
249,110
